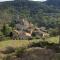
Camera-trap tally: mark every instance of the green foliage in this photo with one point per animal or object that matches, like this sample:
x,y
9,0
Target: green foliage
x,y
12,24
53,32
40,14
55,3
37,12
1,36
40,44
47,45
20,51
6,29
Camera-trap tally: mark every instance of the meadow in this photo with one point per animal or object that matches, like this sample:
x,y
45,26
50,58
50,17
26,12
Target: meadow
x,y
22,43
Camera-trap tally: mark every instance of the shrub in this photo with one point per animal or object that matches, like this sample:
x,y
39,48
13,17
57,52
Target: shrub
x,y
8,50
8,57
6,29
46,44
20,51
34,44
39,44
53,32
2,37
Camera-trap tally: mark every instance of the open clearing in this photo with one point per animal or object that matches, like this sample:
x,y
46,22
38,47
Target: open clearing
x,y
14,43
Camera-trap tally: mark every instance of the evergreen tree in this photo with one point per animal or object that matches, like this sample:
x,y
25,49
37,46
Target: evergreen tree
x,y
6,29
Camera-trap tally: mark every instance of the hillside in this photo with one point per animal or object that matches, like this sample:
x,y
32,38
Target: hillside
x,y
40,14
34,11
55,3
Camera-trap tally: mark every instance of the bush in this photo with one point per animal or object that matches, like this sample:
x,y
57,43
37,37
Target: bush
x,y
53,32
39,44
6,29
2,37
8,57
8,50
34,44
20,51
54,46
46,44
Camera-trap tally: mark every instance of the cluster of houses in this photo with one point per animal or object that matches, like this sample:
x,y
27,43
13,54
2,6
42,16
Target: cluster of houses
x,y
26,30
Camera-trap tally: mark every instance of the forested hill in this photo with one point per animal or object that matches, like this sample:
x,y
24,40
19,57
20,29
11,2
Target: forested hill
x,y
40,13
47,6
55,3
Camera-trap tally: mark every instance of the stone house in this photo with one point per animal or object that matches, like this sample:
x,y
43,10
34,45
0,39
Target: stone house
x,y
21,35
40,33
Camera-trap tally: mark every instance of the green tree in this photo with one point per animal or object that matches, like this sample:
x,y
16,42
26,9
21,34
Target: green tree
x,y
6,29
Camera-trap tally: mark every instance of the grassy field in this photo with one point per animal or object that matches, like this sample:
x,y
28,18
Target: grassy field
x,y
53,39
14,43
22,43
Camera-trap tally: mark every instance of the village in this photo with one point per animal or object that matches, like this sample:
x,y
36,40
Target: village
x,y
25,30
